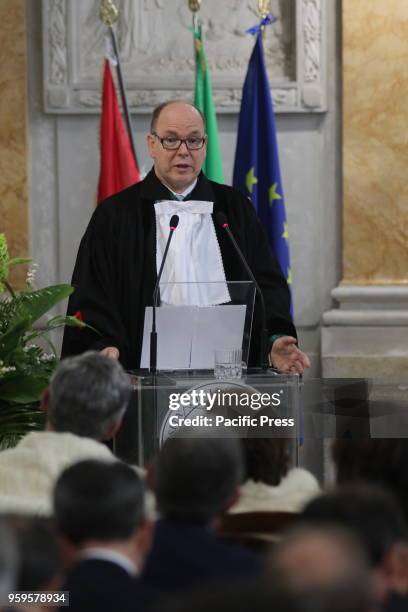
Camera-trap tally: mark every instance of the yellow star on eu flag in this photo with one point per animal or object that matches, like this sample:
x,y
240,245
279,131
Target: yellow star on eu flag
x,y
250,180
285,234
273,194
289,277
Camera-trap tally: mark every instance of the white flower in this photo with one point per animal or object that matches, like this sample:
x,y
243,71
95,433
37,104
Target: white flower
x,y
7,369
29,347
31,273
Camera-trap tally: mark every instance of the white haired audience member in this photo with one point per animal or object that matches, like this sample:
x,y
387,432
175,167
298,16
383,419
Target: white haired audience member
x,y
85,404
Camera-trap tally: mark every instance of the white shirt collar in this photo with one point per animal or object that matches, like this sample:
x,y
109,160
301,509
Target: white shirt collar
x,y
106,554
184,193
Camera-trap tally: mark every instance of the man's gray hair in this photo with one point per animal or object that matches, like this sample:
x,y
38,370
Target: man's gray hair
x,y
88,394
195,478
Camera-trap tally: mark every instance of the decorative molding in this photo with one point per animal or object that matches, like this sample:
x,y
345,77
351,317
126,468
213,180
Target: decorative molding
x,y
367,335
371,294
43,191
313,54
57,42
365,318
157,53
312,37
368,306
224,100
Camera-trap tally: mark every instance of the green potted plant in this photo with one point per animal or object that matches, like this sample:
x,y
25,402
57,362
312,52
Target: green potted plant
x,y
25,365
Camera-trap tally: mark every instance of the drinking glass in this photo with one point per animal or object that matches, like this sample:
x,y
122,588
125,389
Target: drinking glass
x,y
228,363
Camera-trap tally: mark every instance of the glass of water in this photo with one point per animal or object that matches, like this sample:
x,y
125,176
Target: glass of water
x,y
228,363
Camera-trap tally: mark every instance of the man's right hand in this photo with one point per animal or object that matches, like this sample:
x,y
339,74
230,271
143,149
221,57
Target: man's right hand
x,y
110,351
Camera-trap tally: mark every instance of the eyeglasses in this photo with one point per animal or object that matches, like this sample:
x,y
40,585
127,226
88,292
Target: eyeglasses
x,y
171,143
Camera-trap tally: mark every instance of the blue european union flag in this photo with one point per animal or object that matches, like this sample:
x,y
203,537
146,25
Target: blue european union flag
x,y
256,169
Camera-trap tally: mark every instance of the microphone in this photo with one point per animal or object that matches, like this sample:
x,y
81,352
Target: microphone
x,y
153,334
223,222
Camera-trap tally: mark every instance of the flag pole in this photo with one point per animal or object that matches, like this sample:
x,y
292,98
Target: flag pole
x,y
264,9
194,6
109,14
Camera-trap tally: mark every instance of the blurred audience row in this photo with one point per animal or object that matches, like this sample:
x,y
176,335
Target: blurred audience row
x,y
214,524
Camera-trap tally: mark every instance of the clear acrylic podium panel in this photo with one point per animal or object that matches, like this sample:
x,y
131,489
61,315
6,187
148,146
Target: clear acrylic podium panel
x,y
322,409
212,328
157,418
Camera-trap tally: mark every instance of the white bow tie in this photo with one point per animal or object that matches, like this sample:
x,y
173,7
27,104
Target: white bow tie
x,y
174,207
194,261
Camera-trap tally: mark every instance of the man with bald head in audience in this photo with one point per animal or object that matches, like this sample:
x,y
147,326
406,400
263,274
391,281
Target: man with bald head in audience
x,y
122,249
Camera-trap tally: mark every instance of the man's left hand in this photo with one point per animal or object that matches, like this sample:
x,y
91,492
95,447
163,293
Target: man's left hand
x,y
286,357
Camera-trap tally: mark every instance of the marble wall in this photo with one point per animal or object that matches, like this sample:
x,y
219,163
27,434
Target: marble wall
x,y
13,128
367,333
64,173
375,137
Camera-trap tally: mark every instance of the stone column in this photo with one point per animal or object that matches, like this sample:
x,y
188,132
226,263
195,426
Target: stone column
x,y
367,334
13,128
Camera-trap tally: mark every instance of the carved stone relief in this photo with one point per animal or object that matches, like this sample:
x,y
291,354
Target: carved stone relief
x,y
312,40
57,37
156,49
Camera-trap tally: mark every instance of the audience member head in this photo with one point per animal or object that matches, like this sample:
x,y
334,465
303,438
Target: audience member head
x,y
101,504
238,597
8,562
324,565
266,459
88,396
40,567
377,461
373,516
266,596
197,478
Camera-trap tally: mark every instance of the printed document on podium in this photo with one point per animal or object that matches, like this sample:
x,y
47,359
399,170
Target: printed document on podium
x,y
187,336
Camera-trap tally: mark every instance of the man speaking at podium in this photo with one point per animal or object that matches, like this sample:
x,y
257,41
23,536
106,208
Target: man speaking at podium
x,y
120,253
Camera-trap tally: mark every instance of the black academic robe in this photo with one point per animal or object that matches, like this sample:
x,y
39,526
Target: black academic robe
x,y
115,270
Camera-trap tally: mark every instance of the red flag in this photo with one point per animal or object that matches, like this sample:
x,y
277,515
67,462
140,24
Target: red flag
x,y
118,167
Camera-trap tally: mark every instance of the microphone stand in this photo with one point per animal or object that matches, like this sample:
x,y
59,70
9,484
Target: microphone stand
x,y
153,334
264,357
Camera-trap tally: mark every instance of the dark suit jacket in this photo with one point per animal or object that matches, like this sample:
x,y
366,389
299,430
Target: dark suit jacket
x,y
396,603
186,554
96,585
